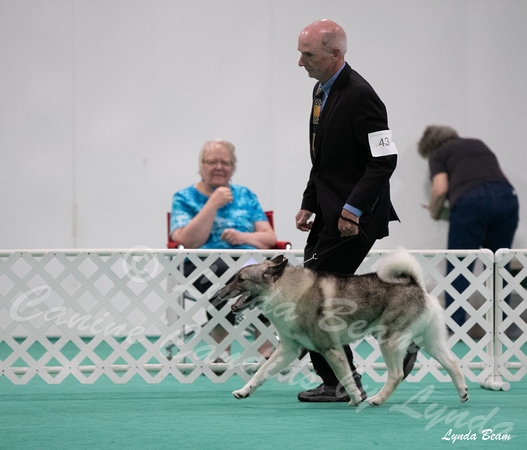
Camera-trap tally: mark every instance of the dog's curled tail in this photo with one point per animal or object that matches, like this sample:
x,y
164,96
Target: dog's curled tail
x,y
400,267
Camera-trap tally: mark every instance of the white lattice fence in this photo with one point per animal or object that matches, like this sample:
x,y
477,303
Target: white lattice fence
x,y
88,313
85,314
511,315
122,313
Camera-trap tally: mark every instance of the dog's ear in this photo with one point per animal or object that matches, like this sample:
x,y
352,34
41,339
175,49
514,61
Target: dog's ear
x,y
275,270
280,259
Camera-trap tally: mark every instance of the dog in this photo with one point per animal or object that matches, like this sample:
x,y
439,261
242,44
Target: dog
x,y
322,312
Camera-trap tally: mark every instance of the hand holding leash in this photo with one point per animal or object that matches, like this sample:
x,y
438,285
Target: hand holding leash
x,y
348,224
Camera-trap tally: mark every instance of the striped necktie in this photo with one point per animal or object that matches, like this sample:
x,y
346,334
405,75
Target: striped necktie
x,y
317,106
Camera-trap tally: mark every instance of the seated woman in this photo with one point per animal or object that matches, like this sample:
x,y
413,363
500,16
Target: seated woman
x,y
215,214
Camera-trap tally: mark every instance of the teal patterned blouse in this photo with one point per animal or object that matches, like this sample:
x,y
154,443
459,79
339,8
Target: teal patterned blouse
x,y
240,214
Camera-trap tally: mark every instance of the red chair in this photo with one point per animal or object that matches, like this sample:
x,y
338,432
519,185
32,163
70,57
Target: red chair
x,y
280,245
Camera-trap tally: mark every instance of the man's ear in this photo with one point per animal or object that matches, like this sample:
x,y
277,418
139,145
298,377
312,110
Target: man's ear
x,y
277,267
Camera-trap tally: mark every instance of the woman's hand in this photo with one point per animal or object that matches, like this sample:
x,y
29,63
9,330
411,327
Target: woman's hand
x,y
233,237
221,196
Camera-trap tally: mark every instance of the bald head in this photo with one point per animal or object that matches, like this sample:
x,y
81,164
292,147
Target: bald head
x,y
322,45
330,35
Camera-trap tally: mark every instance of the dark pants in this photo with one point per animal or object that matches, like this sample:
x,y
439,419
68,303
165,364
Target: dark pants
x,y
344,258
341,256
485,217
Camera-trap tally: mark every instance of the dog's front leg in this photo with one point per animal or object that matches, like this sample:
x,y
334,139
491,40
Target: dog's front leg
x,y
336,358
280,359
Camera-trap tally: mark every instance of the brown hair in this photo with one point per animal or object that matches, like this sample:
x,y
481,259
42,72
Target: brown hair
x,y
433,138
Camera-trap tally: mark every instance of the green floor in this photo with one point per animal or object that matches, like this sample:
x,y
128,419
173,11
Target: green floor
x,y
204,415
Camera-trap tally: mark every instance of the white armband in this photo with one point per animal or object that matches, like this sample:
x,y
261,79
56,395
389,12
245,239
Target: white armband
x,y
381,143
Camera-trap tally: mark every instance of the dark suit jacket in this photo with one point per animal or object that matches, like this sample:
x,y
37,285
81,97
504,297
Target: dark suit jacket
x,y
344,170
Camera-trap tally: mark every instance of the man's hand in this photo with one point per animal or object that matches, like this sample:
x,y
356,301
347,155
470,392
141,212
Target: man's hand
x,y
302,218
347,228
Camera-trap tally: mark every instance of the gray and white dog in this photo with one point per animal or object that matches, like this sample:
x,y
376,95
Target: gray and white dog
x,y
322,312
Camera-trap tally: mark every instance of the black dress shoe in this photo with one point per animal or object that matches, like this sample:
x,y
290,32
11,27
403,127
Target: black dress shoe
x,y
324,393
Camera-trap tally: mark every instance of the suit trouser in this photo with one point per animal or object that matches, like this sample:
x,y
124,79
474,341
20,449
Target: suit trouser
x,y
341,256
338,256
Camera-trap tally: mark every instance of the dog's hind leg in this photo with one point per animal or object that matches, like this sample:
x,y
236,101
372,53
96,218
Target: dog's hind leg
x,y
336,358
284,355
393,351
434,343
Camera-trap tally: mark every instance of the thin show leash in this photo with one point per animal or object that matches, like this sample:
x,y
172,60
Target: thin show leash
x,y
361,233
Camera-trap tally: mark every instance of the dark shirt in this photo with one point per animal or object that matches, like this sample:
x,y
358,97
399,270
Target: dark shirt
x,y
468,163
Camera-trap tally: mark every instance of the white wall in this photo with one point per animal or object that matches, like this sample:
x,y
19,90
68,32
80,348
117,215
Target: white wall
x,y
104,105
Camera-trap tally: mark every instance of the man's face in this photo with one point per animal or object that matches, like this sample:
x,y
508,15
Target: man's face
x,y
318,63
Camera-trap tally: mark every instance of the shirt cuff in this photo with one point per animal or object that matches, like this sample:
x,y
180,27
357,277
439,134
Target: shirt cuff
x,y
352,210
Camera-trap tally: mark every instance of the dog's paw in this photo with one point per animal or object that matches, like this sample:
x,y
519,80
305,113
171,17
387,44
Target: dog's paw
x,y
465,397
375,401
355,401
241,393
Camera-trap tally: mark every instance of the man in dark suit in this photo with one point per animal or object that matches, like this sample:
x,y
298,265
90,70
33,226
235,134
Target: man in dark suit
x,y
353,157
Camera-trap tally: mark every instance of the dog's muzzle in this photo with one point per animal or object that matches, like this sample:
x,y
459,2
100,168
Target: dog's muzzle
x,y
228,292
243,302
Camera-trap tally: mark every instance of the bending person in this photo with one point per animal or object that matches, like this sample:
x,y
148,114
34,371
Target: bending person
x,y
484,209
